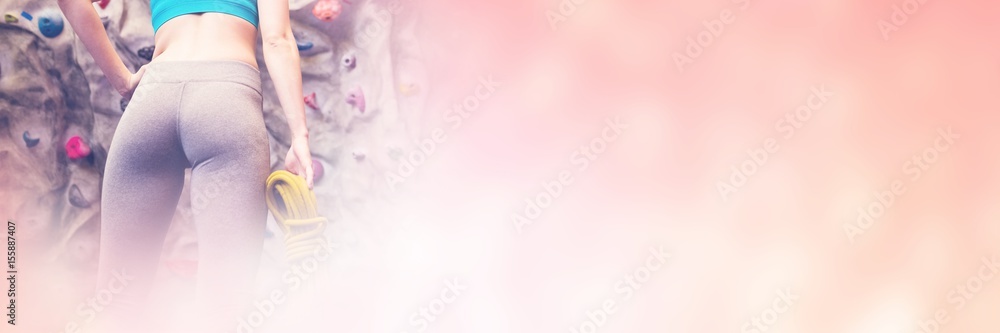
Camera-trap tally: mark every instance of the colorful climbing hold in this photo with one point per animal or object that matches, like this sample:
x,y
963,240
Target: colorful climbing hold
x,y
304,46
348,61
394,152
327,10
409,89
104,4
146,53
358,155
76,197
318,171
26,15
28,140
182,267
311,101
9,18
76,148
356,97
50,25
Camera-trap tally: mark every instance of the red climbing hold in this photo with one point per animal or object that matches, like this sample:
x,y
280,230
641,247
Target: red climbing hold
x,y
104,4
76,148
327,10
311,101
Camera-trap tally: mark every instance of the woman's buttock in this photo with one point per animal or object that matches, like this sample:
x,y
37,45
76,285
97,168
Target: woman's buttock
x,y
206,36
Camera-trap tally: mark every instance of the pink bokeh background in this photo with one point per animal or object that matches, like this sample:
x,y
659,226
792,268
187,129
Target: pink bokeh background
x,y
656,185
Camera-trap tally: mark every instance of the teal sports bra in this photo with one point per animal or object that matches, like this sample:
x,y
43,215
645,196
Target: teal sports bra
x,y
164,10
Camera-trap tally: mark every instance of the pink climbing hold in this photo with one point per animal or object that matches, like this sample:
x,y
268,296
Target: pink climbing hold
x,y
356,97
327,10
76,148
311,101
317,170
182,267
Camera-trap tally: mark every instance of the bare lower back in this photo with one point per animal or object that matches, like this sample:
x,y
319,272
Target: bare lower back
x,y
207,36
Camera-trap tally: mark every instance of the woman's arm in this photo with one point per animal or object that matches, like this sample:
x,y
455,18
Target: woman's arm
x,y
87,25
281,55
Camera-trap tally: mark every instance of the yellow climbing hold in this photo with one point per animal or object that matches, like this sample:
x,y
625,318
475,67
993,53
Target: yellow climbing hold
x,y
409,89
9,18
293,205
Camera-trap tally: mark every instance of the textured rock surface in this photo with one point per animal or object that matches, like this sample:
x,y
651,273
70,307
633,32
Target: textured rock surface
x,y
43,92
51,88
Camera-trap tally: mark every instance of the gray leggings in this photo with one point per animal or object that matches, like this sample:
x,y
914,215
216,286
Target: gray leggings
x,y
204,115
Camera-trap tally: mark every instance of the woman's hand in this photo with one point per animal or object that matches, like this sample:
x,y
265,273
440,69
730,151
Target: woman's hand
x,y
129,85
299,159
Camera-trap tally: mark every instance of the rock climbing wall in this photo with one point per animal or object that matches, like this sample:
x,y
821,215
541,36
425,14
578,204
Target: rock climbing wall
x,y
363,88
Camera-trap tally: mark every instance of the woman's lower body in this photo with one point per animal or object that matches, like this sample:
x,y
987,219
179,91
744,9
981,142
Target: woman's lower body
x,y
203,115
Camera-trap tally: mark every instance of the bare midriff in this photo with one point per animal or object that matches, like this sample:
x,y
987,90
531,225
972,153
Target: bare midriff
x,y
206,36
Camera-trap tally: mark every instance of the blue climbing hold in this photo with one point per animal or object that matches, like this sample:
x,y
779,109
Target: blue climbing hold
x,y
28,140
50,25
26,15
304,46
146,53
